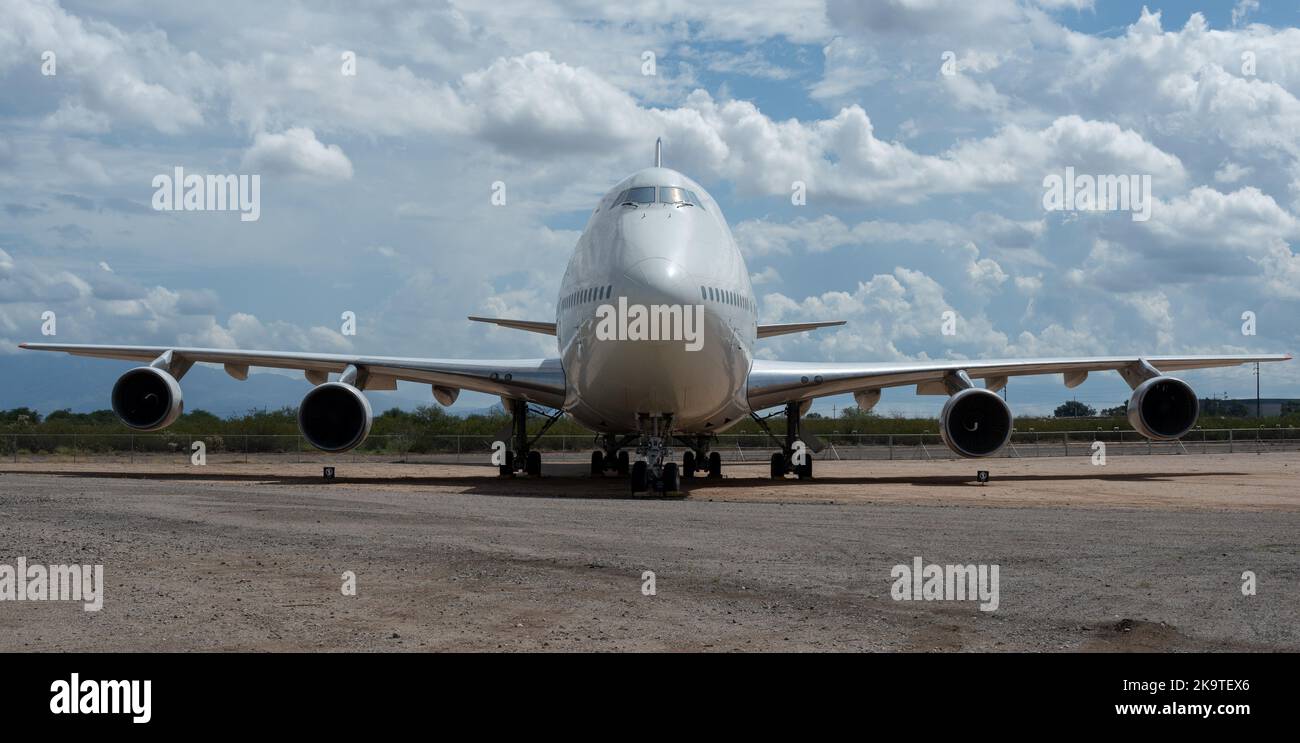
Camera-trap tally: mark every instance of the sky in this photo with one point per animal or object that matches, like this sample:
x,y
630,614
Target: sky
x,y
922,132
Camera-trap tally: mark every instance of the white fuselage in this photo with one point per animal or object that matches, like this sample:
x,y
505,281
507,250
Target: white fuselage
x,y
657,254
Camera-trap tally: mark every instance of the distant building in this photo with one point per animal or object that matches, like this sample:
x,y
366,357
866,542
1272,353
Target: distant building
x,y
1269,407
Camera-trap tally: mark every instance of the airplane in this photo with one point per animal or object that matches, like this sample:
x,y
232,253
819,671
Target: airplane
x,y
656,324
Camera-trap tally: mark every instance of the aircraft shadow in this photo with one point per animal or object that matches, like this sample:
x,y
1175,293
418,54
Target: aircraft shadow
x,y
574,482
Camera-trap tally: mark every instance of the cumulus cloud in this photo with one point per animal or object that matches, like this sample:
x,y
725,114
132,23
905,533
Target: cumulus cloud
x,y
828,232
938,176
99,306
139,78
297,152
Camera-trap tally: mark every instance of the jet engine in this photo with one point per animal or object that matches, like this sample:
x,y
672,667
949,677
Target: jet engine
x,y
334,417
147,399
975,422
1163,408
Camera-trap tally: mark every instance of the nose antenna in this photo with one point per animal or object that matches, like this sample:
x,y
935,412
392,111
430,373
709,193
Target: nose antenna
x,y
659,152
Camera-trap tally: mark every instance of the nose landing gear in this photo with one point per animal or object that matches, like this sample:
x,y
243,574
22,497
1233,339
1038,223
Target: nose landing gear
x,y
652,472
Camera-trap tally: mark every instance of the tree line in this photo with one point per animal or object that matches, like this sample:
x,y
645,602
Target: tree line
x,y
433,420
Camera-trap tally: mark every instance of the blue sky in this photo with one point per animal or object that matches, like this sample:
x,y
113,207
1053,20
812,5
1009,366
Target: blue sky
x,y
924,188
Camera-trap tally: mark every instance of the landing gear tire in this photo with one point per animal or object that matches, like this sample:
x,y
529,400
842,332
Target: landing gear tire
x,y
778,466
688,465
623,460
533,464
597,463
804,471
671,480
507,469
638,479
715,466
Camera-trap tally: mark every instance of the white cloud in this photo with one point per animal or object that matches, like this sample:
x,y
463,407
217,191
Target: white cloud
x,y
1230,172
768,275
297,152
140,78
1242,9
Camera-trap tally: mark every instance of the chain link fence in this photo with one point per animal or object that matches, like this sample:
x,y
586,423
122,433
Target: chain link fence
x,y
444,448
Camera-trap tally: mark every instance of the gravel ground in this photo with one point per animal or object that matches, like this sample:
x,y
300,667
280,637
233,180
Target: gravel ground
x,y
1145,553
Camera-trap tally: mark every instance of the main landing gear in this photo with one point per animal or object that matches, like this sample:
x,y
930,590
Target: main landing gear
x,y
698,458
612,456
795,456
521,456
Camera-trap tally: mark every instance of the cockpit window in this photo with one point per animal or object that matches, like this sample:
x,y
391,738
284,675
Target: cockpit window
x,y
639,195
677,195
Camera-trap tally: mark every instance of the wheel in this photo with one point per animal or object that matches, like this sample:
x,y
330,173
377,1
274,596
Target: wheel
x,y
622,464
533,463
639,472
598,462
508,469
715,465
688,465
778,465
672,481
804,471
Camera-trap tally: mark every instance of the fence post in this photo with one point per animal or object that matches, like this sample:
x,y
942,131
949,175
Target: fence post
x,y
891,447
1065,436
131,456
1230,447
74,448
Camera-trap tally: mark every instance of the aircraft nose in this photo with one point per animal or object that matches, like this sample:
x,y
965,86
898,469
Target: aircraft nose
x,y
660,281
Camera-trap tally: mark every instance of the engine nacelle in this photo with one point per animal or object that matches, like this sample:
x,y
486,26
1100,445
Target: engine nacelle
x,y
147,399
334,417
1163,408
975,422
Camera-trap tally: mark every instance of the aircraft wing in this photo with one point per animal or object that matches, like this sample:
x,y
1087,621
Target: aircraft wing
x,y
778,382
535,380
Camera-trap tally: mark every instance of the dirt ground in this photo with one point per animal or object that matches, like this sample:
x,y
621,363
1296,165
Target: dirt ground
x,y
1144,553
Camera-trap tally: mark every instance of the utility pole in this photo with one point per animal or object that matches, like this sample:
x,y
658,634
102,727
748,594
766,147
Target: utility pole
x,y
1257,409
